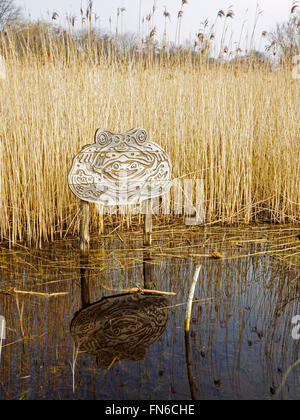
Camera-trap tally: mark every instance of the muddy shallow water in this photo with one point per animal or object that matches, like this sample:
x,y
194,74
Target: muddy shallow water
x,y
73,331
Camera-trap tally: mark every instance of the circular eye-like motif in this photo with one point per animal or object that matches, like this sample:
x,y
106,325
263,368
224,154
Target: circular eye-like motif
x,y
103,138
141,136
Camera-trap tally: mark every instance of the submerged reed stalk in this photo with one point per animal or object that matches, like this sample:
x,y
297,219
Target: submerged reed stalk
x,y
2,333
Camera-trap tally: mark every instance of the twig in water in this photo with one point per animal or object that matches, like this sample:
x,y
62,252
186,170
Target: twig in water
x,y
184,303
73,365
285,377
140,290
155,292
115,359
20,315
26,292
2,333
187,329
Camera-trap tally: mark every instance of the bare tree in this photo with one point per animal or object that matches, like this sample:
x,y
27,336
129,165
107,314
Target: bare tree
x,y
8,11
284,41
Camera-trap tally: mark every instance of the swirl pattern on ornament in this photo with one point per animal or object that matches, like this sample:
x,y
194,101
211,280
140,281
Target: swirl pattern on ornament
x,y
122,326
120,169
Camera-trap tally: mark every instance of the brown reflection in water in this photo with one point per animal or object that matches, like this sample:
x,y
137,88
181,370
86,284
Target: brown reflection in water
x,y
119,327
189,365
148,270
240,340
84,281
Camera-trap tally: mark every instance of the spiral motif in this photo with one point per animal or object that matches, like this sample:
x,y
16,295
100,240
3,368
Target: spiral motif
x,y
103,138
117,139
141,136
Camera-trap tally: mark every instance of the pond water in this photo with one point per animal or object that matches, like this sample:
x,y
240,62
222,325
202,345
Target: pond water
x,y
74,332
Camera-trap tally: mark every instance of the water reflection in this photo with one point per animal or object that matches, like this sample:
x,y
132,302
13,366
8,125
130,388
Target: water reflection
x,y
119,327
240,343
188,358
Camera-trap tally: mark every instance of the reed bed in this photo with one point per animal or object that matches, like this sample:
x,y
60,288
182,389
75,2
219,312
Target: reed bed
x,y
235,127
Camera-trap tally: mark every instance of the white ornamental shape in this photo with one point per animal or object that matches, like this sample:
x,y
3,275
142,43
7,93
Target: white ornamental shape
x,y
120,169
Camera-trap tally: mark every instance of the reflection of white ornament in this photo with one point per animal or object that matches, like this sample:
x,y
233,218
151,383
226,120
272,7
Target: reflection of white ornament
x,y
123,326
120,169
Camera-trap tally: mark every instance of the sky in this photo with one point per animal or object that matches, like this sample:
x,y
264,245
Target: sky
x,y
194,12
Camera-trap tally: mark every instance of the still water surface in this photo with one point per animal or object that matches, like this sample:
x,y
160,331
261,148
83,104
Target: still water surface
x,y
78,334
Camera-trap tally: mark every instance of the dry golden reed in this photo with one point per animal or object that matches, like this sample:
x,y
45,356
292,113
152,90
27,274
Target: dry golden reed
x,y
235,127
